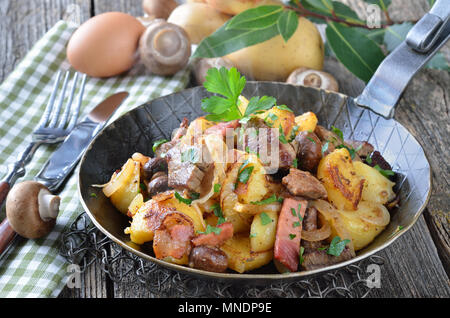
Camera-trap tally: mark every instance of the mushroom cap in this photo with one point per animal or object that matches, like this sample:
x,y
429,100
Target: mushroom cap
x,y
202,65
164,47
159,9
313,78
31,209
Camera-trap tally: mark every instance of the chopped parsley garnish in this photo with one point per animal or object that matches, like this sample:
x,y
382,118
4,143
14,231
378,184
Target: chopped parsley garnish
x,y
211,229
93,195
245,174
312,140
293,212
190,155
181,199
336,247
296,224
218,212
271,199
217,187
369,160
294,133
253,235
282,136
338,132
272,117
301,259
325,147
265,219
158,143
284,107
295,163
386,173
292,236
352,151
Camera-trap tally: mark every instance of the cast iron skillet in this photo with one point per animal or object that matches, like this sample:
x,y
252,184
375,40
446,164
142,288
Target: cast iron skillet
x,y
136,131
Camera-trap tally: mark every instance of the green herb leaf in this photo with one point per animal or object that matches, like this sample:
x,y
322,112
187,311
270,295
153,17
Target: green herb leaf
x,y
284,107
383,4
253,235
312,140
265,219
218,212
302,250
245,174
325,147
337,246
282,137
287,24
295,163
292,236
325,6
294,213
93,195
217,187
190,155
257,103
194,195
182,199
158,143
359,54
211,229
338,132
386,173
255,18
225,41
271,199
296,224
345,12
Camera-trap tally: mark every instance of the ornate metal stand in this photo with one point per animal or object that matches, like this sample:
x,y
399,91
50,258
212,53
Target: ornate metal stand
x,y
84,244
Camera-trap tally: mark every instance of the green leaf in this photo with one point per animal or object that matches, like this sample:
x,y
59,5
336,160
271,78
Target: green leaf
x,y
265,219
439,62
181,199
337,246
211,229
223,41
190,155
216,104
359,54
383,4
386,173
395,34
301,259
158,143
345,12
217,187
338,132
256,18
259,103
287,24
271,199
321,5
245,174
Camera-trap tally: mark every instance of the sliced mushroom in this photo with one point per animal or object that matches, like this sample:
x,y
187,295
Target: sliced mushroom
x,y
201,67
313,78
164,47
32,209
159,9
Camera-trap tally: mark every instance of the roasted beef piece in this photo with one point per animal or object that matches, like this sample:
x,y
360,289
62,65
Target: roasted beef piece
x,y
304,184
365,148
333,140
319,258
254,138
309,151
187,166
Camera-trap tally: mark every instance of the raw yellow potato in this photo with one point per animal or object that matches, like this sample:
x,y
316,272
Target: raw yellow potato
x,y
139,230
306,121
377,188
237,6
262,235
240,258
276,117
129,188
365,223
344,186
199,20
274,60
136,204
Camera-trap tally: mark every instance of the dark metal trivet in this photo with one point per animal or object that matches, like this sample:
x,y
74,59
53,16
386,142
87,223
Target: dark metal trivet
x,y
84,244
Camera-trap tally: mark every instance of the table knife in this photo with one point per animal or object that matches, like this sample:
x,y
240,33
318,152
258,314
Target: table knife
x,y
65,158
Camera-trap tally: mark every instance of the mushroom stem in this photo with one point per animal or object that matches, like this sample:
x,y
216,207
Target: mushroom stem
x,y
48,205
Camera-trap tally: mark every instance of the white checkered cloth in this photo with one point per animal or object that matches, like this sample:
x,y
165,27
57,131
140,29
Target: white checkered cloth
x,y
34,268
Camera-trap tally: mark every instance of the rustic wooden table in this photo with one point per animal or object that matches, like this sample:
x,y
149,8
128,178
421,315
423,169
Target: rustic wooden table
x,y
418,264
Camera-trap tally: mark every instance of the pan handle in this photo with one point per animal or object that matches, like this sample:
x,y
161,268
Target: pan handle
x,y
427,36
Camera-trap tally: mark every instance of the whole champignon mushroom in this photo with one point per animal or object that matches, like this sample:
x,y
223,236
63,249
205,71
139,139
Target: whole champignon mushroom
x,y
159,9
164,48
313,78
32,209
202,65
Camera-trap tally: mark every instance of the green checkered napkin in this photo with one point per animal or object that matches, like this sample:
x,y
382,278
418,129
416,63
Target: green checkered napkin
x,y
33,268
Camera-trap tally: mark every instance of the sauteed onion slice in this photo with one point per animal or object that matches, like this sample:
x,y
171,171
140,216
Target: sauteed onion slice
x,y
319,234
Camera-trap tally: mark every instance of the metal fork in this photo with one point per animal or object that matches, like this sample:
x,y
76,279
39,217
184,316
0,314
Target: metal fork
x,y
52,128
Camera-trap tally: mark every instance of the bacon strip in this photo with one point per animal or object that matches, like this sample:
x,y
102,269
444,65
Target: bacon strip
x,y
289,230
213,239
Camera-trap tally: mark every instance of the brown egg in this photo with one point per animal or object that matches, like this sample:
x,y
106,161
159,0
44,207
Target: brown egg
x,y
105,45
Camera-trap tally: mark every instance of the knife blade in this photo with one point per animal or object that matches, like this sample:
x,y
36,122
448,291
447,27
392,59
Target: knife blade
x,y
65,158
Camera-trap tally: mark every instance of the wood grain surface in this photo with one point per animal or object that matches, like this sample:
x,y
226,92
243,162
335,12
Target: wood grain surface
x,y
418,263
